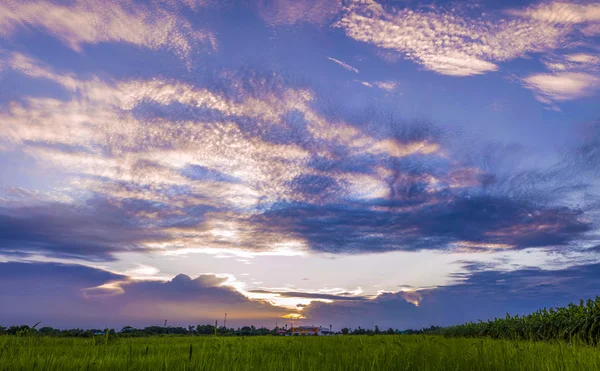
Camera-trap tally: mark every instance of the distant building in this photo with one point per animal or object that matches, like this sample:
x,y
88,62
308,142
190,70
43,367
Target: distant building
x,y
310,330
305,330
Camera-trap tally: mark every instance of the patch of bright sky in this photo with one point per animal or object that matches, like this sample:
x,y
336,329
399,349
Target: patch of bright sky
x,y
366,274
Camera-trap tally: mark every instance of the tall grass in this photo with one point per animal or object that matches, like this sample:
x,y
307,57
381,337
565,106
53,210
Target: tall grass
x,y
399,352
574,323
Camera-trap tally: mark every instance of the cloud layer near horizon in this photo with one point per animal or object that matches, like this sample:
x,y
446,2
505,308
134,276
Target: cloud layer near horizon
x,y
73,295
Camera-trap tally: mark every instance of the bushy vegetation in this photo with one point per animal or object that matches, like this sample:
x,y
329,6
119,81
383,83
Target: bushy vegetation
x,y
578,323
396,352
129,331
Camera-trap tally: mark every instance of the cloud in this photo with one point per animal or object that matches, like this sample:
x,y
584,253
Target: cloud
x,y
561,12
482,295
448,42
518,292
158,171
79,296
385,311
35,69
573,76
387,85
92,231
312,295
583,58
345,65
417,220
562,86
92,22
248,163
577,62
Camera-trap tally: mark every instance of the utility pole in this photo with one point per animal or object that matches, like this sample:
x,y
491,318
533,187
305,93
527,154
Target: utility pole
x,y
225,322
216,327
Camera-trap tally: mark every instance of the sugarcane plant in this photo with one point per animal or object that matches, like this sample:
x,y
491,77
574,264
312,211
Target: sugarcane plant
x,y
574,323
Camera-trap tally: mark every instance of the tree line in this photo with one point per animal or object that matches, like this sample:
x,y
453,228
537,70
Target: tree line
x,y
129,331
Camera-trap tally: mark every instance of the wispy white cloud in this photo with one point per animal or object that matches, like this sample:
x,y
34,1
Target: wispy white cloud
x,y
387,85
583,58
572,76
562,86
36,69
91,22
586,15
449,42
561,12
577,62
345,65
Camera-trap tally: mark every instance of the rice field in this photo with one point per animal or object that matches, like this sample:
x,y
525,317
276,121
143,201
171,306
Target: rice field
x,y
393,352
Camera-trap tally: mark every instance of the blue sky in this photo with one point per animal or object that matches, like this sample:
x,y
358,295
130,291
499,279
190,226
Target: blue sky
x,y
333,162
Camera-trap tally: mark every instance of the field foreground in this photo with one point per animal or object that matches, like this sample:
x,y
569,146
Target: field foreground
x,y
401,352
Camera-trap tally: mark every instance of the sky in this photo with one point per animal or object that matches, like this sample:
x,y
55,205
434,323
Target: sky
x,y
398,163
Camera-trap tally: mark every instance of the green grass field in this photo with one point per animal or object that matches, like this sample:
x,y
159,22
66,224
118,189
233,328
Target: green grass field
x,y
400,352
